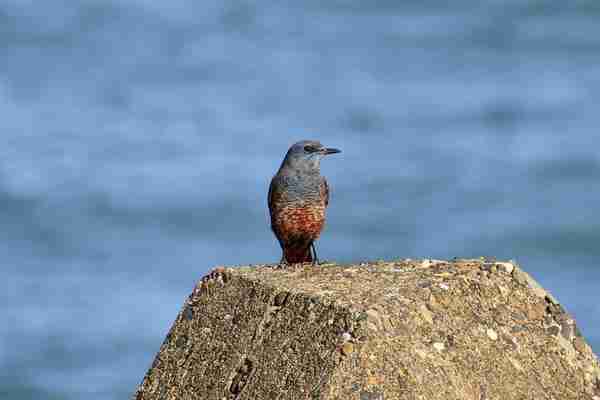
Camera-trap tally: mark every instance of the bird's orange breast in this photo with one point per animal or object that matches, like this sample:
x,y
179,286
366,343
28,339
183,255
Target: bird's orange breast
x,y
305,221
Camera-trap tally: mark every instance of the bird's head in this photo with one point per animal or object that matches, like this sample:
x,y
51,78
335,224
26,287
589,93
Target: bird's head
x,y
306,155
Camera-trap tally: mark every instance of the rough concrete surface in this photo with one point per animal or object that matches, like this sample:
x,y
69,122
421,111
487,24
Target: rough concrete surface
x,y
406,329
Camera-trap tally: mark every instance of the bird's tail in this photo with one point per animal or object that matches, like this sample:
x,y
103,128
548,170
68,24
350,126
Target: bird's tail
x,y
298,255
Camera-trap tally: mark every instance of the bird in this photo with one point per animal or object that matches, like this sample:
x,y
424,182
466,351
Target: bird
x,y
298,197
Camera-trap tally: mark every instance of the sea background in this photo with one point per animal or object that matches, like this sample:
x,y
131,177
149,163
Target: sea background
x,y
138,138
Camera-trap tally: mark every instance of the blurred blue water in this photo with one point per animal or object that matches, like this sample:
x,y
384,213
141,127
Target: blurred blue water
x,y
138,140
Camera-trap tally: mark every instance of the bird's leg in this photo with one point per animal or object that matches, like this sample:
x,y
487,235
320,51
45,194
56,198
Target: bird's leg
x,y
314,251
283,261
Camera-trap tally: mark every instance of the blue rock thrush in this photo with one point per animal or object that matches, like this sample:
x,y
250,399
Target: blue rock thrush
x,y
298,197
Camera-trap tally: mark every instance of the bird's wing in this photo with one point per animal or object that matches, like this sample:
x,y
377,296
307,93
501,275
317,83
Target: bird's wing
x,y
324,191
272,192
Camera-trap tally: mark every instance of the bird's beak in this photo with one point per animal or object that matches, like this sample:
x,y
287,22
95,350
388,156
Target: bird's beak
x,y
330,150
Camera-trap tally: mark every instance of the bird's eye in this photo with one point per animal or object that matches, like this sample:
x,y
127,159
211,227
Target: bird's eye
x,y
309,149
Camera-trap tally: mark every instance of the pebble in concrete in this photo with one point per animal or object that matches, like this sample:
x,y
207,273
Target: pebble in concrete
x,y
439,346
347,349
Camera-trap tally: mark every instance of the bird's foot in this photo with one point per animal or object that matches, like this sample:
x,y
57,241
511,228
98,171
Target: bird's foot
x,y
282,263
